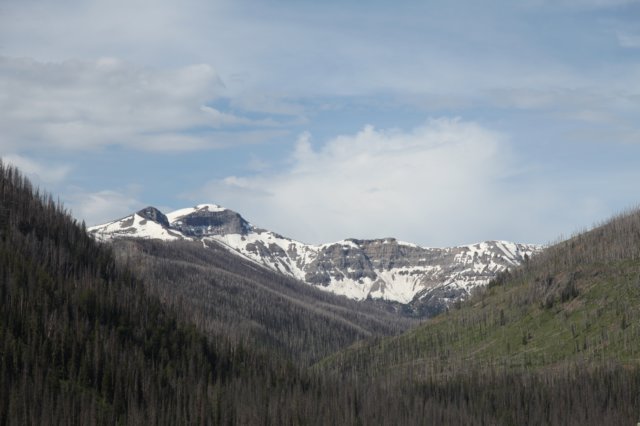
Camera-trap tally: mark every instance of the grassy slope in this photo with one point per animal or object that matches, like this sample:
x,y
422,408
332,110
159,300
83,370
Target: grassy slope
x,y
579,302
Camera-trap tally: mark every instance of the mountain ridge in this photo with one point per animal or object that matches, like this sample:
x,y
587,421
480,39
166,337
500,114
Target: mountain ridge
x,y
578,303
83,342
425,278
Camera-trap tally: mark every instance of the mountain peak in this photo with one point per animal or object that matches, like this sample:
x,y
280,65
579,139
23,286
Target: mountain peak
x,y
211,207
208,219
178,214
152,213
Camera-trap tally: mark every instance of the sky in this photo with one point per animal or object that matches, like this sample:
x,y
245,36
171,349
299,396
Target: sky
x,y
436,122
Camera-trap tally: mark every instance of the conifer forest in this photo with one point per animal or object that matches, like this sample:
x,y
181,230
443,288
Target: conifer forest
x,y
143,332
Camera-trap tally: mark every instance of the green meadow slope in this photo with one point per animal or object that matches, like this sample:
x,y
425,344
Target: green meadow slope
x,y
576,303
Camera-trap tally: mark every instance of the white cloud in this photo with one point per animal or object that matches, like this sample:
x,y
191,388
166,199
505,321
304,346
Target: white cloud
x,y
328,48
454,54
447,182
88,105
437,183
293,60
38,172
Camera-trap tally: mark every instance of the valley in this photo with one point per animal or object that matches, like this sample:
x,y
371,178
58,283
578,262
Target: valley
x,y
186,329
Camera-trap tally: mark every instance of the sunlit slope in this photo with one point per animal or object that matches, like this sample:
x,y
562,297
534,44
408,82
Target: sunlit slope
x,y
579,301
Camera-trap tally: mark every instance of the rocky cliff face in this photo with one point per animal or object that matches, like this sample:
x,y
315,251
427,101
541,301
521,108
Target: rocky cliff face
x,y
209,221
426,280
155,215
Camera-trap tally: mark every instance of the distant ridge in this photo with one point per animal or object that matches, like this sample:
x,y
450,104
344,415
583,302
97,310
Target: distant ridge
x,y
577,302
85,340
426,280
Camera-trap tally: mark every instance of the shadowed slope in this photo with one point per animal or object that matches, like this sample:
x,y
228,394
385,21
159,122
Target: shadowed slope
x,y
224,293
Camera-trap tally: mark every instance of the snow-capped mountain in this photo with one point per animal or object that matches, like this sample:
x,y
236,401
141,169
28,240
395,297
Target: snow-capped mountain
x,y
388,269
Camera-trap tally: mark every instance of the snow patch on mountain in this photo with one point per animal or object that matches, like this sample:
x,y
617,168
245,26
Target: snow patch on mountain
x,y
176,215
384,269
135,226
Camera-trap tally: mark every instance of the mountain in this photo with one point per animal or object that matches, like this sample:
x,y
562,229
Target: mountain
x,y
113,334
83,343
426,279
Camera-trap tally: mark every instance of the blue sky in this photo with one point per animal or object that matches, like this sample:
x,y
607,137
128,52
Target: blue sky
x,y
436,122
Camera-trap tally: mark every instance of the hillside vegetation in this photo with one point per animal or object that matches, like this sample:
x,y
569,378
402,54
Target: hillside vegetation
x,y
82,342
225,294
578,302
568,319
148,337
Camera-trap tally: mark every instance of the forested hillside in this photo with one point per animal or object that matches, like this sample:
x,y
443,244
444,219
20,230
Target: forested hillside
x,y
87,338
568,319
578,301
225,294
82,342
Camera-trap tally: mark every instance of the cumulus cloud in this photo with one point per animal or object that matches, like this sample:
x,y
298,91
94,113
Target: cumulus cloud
x,y
444,183
437,183
87,105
